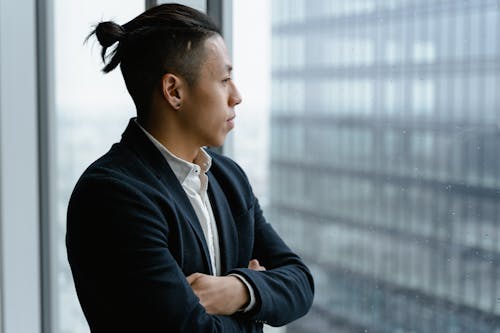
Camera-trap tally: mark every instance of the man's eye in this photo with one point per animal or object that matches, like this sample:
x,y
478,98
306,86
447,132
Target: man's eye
x,y
226,80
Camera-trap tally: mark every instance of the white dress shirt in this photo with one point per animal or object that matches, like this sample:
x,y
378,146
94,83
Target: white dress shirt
x,y
194,181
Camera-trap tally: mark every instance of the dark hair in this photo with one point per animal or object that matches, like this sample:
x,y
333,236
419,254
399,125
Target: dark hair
x,y
163,39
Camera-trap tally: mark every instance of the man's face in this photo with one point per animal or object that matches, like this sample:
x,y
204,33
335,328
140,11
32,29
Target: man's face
x,y
207,113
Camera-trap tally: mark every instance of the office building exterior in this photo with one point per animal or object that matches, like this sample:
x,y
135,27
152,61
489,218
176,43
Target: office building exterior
x,y
385,160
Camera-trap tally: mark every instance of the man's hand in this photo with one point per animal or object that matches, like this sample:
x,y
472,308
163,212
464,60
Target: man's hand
x,y
255,265
222,295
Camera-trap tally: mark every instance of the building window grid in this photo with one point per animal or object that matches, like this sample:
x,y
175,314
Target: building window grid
x,y
351,143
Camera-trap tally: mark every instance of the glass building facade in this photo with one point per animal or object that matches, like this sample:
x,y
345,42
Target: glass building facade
x,y
385,160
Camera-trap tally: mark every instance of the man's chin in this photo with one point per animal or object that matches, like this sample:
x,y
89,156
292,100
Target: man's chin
x,y
215,144
216,141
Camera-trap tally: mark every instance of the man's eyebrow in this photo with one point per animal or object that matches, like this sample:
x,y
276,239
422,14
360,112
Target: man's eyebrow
x,y
229,68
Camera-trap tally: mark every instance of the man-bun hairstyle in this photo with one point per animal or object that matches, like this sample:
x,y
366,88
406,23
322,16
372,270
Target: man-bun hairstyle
x,y
108,33
164,39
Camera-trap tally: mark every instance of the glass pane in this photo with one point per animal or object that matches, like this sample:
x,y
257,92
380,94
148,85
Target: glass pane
x,y
371,129
91,111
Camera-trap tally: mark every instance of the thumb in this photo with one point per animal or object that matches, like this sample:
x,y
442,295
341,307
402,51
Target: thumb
x,y
193,277
255,265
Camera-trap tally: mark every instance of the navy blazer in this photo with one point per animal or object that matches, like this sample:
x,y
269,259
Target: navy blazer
x,y
133,237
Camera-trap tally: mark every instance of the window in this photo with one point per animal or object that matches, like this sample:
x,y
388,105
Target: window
x,y
371,129
92,109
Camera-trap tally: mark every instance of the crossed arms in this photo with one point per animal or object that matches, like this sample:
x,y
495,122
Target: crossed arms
x,y
126,275
222,295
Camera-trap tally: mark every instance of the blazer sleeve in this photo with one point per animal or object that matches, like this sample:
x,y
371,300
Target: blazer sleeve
x,y
285,290
126,278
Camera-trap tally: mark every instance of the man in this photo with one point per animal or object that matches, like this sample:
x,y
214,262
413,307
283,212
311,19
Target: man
x,y
164,235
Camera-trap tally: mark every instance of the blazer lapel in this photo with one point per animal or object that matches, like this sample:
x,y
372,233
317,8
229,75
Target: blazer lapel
x,y
181,199
228,237
134,138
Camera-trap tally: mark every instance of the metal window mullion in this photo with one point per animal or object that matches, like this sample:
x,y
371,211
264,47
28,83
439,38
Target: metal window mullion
x,y
216,12
47,167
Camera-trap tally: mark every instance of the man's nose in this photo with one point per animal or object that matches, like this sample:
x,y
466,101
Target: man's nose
x,y
235,96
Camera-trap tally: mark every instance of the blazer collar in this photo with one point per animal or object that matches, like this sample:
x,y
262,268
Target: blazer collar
x,y
136,140
228,235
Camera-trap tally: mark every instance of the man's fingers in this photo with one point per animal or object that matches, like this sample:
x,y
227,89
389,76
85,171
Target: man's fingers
x,y
255,265
193,277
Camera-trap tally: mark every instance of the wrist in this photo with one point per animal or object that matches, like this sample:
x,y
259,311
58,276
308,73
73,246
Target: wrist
x,y
242,294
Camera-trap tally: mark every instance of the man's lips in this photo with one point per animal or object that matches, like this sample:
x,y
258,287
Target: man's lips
x,y
230,121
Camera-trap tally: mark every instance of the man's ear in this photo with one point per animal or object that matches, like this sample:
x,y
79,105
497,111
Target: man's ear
x,y
173,90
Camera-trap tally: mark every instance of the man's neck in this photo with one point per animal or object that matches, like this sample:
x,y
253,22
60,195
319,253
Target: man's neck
x,y
171,136
177,146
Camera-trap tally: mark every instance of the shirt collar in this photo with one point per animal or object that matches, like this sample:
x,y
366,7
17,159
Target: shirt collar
x,y
180,167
